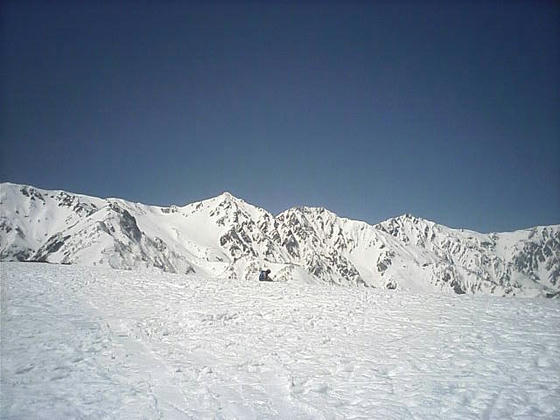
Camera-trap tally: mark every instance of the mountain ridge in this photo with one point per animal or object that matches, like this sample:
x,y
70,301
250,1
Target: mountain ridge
x,y
228,237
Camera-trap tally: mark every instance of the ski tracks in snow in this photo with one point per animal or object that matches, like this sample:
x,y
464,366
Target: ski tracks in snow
x,y
82,342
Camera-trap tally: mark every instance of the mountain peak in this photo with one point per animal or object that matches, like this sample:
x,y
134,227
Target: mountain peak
x,y
226,201
408,217
226,195
223,198
228,198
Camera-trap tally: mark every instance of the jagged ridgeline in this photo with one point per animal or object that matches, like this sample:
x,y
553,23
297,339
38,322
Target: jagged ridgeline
x,y
227,237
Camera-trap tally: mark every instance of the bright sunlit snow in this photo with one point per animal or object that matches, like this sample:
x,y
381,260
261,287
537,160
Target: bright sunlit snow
x,y
79,342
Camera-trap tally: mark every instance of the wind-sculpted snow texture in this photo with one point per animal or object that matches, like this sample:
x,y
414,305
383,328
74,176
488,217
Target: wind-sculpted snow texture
x,y
226,236
85,342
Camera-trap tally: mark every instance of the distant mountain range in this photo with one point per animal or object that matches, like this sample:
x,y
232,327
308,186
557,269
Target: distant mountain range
x,y
226,237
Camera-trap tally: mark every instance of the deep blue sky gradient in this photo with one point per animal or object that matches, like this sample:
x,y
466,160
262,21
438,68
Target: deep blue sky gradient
x,y
446,110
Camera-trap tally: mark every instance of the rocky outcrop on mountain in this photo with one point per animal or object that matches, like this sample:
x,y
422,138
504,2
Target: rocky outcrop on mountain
x,y
227,237
472,262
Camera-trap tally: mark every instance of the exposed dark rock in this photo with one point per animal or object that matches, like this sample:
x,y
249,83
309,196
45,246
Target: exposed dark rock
x,y
457,288
51,246
391,285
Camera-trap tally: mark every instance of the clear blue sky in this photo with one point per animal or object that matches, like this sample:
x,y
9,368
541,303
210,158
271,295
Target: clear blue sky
x,y
446,110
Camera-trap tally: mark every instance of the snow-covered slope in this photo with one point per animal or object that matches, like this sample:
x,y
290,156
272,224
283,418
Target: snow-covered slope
x,y
227,237
89,342
471,262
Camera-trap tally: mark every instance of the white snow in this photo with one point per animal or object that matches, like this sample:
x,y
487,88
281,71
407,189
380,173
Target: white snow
x,y
84,342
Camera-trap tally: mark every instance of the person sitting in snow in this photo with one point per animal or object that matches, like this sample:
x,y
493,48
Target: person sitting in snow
x,y
264,275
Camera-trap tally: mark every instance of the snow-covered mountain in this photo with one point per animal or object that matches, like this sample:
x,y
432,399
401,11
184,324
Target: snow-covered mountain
x,y
227,237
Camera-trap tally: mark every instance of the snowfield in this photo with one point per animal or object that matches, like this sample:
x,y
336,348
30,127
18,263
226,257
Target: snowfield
x,y
84,342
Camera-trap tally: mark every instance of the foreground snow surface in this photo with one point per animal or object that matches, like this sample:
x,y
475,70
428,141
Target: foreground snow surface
x,y
83,342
